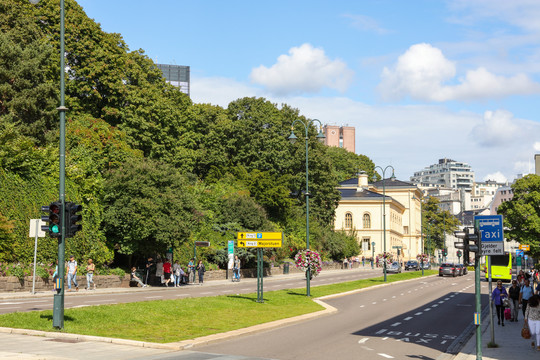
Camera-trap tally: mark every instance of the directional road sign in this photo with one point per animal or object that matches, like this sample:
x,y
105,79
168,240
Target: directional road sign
x,y
491,233
259,243
525,247
260,236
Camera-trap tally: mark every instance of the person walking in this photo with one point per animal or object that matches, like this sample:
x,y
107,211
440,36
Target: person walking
x,y
525,294
177,274
498,296
191,270
532,319
513,296
72,273
236,268
520,278
167,272
201,270
55,276
90,268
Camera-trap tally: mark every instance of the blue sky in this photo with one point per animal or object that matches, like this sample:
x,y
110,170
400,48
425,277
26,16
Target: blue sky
x,y
420,80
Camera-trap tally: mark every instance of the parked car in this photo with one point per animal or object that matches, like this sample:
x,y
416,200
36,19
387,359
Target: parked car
x,y
448,269
462,269
412,265
427,266
394,267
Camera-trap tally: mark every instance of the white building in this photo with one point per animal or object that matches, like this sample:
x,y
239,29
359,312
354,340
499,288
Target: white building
x,y
447,173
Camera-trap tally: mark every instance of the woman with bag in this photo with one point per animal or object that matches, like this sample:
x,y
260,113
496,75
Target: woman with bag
x,y
513,293
201,269
532,319
498,296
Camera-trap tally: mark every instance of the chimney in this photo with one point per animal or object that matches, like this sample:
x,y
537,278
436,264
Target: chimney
x,y
362,179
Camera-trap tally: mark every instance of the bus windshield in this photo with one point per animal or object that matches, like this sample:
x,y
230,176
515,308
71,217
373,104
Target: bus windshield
x,y
500,260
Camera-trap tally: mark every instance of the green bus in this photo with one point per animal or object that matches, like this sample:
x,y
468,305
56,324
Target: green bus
x,y
501,267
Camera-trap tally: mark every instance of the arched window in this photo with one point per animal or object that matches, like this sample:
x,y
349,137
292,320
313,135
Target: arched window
x,y
348,220
367,221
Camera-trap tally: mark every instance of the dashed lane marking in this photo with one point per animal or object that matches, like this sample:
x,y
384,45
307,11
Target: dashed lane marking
x,y
385,355
408,318
361,341
396,324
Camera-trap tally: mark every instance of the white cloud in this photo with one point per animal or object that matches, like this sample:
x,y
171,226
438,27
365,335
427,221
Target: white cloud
x,y
496,176
305,70
536,146
422,71
498,128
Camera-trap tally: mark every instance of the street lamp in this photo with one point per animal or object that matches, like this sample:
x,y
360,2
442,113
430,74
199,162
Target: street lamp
x,y
58,302
292,139
384,209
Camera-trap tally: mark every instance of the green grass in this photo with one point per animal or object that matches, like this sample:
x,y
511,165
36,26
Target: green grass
x,y
175,320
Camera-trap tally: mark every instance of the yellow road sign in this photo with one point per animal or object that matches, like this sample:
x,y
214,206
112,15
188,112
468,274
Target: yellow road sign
x,y
525,247
259,243
260,236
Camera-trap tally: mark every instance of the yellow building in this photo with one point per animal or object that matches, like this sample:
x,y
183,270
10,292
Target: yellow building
x,y
360,211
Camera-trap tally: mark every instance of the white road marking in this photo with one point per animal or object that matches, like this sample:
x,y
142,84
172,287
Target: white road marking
x,y
153,297
207,292
373,303
80,306
385,355
12,307
427,309
383,299
100,301
434,305
181,295
361,341
441,302
418,313
362,306
393,297
367,348
408,318
396,324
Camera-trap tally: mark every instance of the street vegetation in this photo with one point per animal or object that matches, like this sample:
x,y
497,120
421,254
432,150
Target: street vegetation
x,y
191,317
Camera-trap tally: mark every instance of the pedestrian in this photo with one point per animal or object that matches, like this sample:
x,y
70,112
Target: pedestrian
x,y
236,268
167,272
90,268
201,270
177,274
55,276
532,319
135,278
159,270
524,295
520,278
513,296
498,296
363,261
345,263
149,267
72,273
191,270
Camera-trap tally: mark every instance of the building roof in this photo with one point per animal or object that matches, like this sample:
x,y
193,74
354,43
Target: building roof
x,y
350,194
393,184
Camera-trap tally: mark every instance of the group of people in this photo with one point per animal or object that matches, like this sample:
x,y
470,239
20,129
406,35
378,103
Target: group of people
x,y
520,293
71,271
170,274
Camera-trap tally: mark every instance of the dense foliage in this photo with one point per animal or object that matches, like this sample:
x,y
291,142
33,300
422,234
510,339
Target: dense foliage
x,y
436,223
522,213
154,171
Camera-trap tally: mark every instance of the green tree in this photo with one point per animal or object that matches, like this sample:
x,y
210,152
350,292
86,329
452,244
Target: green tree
x,y
149,207
522,213
347,164
436,223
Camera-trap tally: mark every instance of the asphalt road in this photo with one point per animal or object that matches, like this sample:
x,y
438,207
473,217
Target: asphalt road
x,y
415,319
212,288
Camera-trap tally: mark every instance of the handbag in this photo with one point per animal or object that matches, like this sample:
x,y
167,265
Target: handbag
x,y
525,332
506,302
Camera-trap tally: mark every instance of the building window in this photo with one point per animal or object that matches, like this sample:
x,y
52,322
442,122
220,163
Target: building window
x,y
348,220
367,221
366,245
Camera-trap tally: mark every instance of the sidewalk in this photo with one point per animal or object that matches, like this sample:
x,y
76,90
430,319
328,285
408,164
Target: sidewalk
x,y
511,345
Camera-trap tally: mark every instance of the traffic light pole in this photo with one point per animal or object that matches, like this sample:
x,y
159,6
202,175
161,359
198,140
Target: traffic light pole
x,y
58,305
478,307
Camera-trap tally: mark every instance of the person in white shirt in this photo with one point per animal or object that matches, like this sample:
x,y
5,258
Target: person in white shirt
x,y
72,273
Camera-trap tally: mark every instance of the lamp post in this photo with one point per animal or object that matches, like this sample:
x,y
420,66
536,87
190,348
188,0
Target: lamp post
x,y
384,209
372,253
58,304
292,139
421,235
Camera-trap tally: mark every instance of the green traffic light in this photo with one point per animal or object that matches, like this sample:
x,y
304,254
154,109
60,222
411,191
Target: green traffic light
x,y
54,229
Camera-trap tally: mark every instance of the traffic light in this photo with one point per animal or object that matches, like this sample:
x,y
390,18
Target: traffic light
x,y
72,219
54,219
445,252
473,241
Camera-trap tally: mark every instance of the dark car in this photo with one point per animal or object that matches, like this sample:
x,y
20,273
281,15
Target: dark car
x,y
448,269
463,269
426,265
412,265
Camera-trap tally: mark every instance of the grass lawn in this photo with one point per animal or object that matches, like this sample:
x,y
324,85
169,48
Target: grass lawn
x,y
166,321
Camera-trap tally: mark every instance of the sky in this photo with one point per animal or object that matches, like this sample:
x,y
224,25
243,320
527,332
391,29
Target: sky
x,y
420,80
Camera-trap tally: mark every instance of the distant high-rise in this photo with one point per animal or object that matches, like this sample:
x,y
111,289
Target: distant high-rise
x,y
447,173
176,75
537,164
340,136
